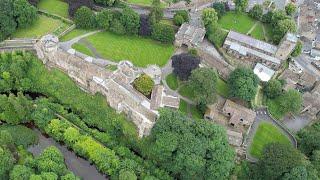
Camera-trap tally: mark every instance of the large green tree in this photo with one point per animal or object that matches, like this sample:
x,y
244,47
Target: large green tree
x,y
256,12
290,9
282,27
291,101
131,21
190,149
203,82
241,5
209,16
25,13
6,163
243,84
85,18
20,172
273,88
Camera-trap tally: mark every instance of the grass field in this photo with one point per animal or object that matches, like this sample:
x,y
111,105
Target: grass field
x,y
82,48
144,2
74,33
172,81
275,109
57,7
258,32
222,88
186,91
266,133
183,106
140,51
239,22
42,26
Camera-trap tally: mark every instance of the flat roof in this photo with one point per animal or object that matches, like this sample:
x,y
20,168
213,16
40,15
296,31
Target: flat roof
x,y
264,73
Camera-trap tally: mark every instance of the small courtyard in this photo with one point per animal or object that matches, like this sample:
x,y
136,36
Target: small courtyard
x,y
244,24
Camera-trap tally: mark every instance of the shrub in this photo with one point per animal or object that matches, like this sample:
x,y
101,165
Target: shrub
x,y
74,5
116,27
85,18
25,137
209,16
220,8
144,84
256,12
273,88
130,21
180,17
163,33
297,50
216,35
105,2
104,19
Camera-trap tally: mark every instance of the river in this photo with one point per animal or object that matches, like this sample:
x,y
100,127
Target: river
x,y
79,166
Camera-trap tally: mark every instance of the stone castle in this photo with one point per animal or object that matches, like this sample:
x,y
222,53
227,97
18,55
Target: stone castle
x,y
114,85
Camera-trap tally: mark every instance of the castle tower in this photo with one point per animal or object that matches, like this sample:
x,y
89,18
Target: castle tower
x,y
286,46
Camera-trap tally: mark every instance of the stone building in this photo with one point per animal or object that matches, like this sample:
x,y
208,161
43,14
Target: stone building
x,y
300,80
189,35
254,51
311,102
239,115
115,86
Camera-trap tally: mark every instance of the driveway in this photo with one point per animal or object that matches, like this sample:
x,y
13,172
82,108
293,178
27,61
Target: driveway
x,y
296,123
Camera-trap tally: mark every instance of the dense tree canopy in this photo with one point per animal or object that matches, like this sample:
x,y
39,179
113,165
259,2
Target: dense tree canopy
x,y
291,101
241,5
273,88
190,149
290,9
6,162
130,20
308,140
220,8
256,12
209,16
74,5
183,64
180,17
85,18
243,84
145,26
25,13
203,82
163,33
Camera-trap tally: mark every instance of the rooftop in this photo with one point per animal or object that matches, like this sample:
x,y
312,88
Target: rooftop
x,y
264,73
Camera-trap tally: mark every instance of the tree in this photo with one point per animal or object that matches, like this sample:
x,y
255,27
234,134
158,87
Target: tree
x,y
7,23
183,64
297,50
189,148
209,16
282,27
144,84
69,176
279,159
291,101
241,5
156,13
220,8
6,163
163,33
103,19
267,17
145,26
116,27
127,175
85,18
216,35
308,141
203,83
278,15
273,88
180,17
20,172
297,173
290,9
106,2
130,21
74,5
256,12
243,84
25,14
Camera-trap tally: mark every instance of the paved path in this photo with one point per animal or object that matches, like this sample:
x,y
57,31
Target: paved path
x,y
78,166
67,45
262,115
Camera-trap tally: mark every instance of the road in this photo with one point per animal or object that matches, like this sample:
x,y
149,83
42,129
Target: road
x,y
78,166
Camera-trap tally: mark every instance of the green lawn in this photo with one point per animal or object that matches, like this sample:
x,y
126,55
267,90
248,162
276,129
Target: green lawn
x,y
266,133
275,109
172,81
183,106
74,33
222,88
186,91
239,22
258,32
196,113
42,26
57,7
82,48
140,51
258,100
144,2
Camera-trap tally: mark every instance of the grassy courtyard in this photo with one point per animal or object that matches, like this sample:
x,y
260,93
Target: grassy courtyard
x,y
242,23
140,51
42,26
266,133
57,7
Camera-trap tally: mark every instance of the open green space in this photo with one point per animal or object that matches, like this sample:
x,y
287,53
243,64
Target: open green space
x,y
42,26
82,48
72,34
222,88
186,91
258,32
265,134
172,81
140,51
57,7
275,109
144,2
183,106
239,22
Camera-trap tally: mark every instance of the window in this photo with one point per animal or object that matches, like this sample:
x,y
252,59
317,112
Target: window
x,y
241,120
232,124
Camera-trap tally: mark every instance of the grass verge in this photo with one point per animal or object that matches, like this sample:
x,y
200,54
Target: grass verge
x,y
172,81
82,48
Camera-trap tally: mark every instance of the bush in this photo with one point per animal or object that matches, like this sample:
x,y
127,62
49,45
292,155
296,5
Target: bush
x,y
144,84
183,64
256,12
74,5
104,19
84,18
163,33
130,21
297,50
24,137
105,2
181,17
216,35
273,88
220,8
209,16
116,27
